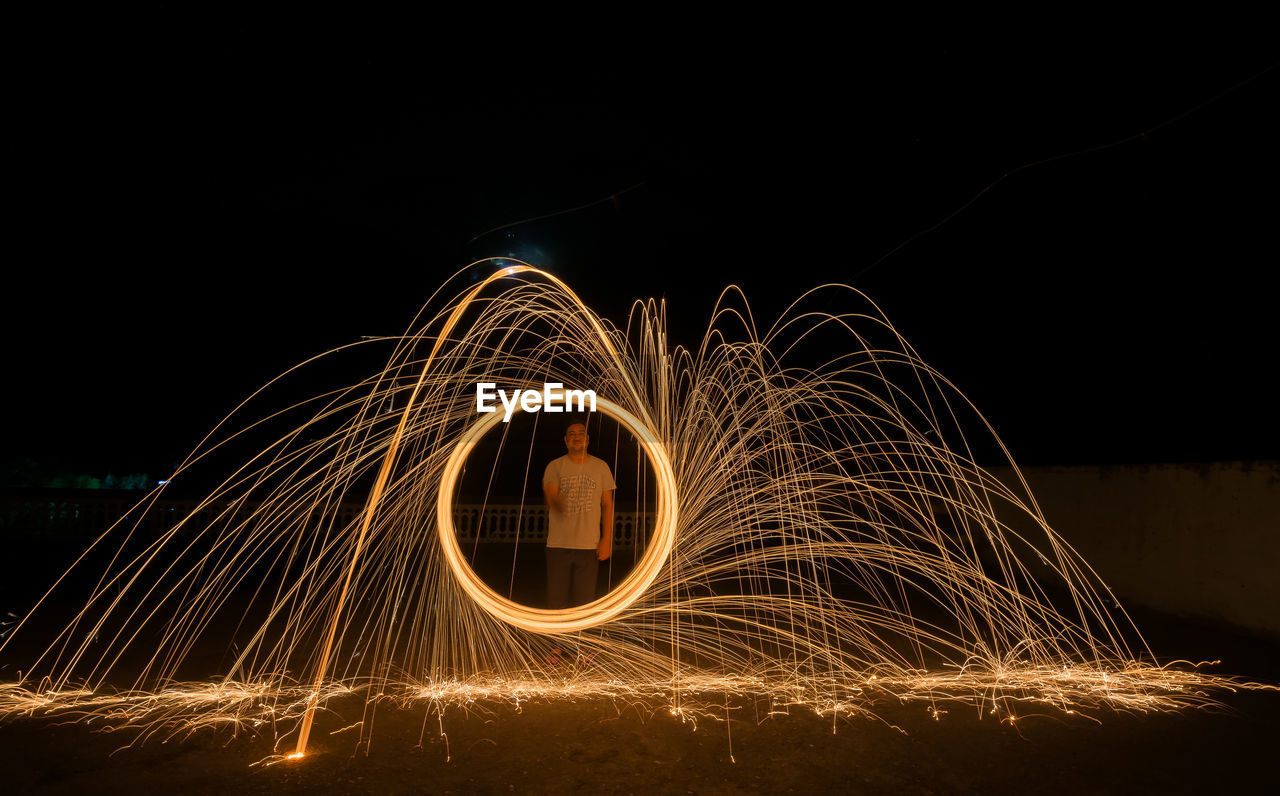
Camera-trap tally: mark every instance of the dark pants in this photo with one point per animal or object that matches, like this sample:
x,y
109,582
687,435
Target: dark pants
x,y
571,577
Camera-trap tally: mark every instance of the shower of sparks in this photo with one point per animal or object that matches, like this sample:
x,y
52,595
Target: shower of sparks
x,y
825,540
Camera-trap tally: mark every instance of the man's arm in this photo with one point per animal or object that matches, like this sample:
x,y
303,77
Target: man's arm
x,y
605,548
551,491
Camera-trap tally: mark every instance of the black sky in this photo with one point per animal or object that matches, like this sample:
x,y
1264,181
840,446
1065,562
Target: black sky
x,y
197,210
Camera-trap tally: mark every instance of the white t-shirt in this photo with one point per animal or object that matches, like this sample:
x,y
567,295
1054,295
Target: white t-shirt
x,y
580,485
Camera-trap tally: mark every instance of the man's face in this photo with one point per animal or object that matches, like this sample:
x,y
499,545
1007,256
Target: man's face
x,y
575,439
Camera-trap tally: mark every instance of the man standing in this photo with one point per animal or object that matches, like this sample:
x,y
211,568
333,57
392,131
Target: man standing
x,y
579,491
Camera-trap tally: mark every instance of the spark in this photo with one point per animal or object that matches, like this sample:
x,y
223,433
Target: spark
x,y
823,540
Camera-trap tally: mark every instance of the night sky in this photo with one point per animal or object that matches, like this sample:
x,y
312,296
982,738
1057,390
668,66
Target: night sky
x,y
194,212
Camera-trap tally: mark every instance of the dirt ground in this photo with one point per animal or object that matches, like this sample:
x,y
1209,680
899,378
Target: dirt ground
x,y
606,747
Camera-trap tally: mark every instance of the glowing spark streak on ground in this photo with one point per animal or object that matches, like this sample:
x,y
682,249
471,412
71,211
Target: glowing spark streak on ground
x,y
835,544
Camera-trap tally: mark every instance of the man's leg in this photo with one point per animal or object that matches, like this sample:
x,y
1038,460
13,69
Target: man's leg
x,y
586,570
559,561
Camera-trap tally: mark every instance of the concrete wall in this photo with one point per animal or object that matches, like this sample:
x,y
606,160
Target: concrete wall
x,y
1198,541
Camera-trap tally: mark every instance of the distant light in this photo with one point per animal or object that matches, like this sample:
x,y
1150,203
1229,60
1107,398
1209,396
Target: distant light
x,y
161,483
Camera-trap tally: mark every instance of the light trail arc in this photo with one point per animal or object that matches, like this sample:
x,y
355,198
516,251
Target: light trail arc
x,y
539,620
828,539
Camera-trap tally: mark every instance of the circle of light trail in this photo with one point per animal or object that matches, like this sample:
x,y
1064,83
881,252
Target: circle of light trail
x,y
836,542
581,617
